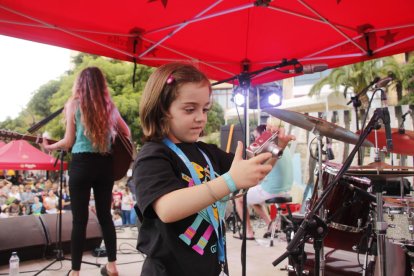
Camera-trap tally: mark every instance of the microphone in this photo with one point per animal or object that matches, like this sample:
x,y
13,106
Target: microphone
x,y
406,113
401,129
329,152
382,82
361,192
387,125
308,68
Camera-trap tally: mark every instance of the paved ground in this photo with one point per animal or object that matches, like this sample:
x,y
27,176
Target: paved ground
x,y
259,257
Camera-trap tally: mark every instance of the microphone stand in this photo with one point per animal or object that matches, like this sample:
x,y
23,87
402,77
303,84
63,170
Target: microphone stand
x,y
244,80
312,225
357,103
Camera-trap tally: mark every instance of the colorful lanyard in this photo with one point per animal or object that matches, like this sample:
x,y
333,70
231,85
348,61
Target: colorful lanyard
x,y
216,224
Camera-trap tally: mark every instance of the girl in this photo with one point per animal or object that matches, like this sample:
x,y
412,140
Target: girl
x,y
182,184
91,122
126,206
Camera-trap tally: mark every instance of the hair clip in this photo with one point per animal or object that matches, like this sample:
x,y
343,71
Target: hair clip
x,y
170,79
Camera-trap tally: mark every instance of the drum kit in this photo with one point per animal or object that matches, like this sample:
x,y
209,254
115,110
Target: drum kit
x,y
350,210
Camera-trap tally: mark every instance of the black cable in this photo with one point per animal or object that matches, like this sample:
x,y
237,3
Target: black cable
x,y
310,150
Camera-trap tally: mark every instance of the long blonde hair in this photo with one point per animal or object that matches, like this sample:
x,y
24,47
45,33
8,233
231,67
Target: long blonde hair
x,y
159,92
96,107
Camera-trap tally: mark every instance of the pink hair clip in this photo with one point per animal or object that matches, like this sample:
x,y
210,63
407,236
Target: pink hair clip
x,y
170,79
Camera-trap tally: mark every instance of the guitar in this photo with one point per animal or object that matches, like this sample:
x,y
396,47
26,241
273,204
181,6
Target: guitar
x,y
122,149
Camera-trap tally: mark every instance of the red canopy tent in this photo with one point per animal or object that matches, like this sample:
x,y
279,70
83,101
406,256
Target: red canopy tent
x,y
20,155
222,37
2,144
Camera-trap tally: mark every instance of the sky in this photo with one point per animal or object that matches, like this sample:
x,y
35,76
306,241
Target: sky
x,y
24,67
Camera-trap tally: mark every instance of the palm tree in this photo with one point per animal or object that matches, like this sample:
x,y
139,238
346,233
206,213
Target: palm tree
x,y
407,82
350,78
355,77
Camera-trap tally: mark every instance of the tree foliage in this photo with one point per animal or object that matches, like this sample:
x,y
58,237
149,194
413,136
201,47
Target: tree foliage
x,y
356,77
119,75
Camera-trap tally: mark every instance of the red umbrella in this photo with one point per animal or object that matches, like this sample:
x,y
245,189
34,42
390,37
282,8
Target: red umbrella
x,y
222,37
20,155
2,144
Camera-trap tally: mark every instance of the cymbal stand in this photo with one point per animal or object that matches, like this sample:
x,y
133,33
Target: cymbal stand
x,y
318,240
380,227
302,235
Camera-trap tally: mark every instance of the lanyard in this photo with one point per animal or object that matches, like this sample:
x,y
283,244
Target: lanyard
x,y
216,223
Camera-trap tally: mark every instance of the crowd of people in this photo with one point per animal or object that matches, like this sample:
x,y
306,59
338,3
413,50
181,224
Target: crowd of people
x,y
37,195
30,196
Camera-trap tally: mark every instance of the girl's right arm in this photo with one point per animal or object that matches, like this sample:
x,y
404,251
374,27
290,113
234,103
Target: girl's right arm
x,y
69,139
182,203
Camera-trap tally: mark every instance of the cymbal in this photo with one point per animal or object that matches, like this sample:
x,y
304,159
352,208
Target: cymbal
x,y
402,143
310,123
380,170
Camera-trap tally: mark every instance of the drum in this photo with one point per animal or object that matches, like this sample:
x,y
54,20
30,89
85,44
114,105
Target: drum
x,y
346,210
400,220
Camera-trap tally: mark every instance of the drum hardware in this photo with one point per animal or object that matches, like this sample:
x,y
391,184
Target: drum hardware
x,y
328,129
380,171
380,228
368,266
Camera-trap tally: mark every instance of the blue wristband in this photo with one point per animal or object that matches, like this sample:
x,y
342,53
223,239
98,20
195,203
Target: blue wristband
x,y
229,182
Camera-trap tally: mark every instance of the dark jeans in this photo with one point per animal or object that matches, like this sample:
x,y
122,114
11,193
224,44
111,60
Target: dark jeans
x,y
91,170
126,217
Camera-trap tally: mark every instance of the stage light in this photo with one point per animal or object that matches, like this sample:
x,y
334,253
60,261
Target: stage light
x,y
261,96
274,99
238,99
270,95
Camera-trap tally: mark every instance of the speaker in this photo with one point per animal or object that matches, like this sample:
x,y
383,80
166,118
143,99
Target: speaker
x,y
236,135
50,222
23,234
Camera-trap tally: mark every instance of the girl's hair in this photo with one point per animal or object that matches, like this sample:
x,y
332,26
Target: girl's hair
x,y
260,129
160,91
96,107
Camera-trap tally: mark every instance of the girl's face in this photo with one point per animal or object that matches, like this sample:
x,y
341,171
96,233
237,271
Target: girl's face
x,y
188,113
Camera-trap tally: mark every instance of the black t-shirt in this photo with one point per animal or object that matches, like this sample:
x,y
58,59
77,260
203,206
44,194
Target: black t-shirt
x,y
169,248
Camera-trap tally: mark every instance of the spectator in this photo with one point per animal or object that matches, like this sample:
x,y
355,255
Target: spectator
x,y
6,187
116,193
14,192
66,199
38,190
50,202
116,217
4,211
27,197
3,197
116,205
15,209
276,183
127,203
36,207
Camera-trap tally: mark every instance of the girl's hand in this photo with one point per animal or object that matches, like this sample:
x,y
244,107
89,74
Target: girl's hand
x,y
248,173
283,139
45,144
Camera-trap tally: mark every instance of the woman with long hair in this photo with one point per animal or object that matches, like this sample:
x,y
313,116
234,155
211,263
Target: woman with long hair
x,y
92,121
